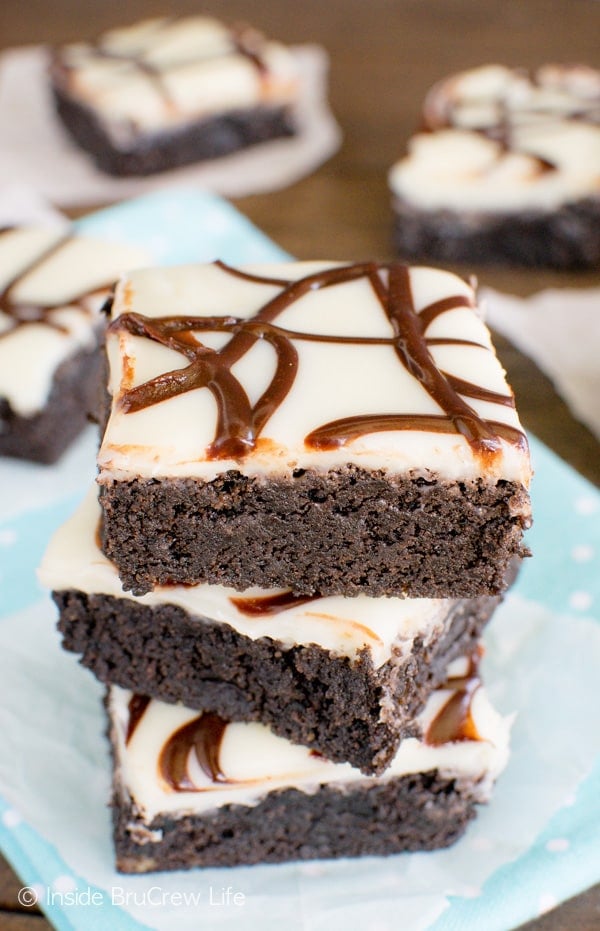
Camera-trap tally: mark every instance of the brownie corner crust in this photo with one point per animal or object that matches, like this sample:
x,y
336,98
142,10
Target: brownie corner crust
x,y
347,531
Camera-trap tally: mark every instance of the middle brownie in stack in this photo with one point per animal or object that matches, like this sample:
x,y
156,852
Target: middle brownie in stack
x,y
344,676
313,482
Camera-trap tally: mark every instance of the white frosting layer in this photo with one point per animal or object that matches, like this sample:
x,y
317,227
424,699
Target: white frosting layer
x,y
342,626
74,282
195,71
550,116
255,762
333,381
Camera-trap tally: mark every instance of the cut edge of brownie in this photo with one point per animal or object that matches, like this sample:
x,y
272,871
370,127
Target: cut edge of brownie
x,y
424,811
347,531
208,138
567,238
72,402
343,708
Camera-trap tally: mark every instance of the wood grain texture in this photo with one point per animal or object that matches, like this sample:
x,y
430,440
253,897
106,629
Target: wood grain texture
x,y
384,56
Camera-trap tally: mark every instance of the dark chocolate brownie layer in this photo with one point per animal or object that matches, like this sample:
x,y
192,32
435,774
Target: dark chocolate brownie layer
x,y
304,693
568,238
210,138
347,531
73,399
418,812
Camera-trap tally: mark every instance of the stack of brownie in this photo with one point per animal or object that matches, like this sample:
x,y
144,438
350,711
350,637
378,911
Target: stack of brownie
x,y
312,488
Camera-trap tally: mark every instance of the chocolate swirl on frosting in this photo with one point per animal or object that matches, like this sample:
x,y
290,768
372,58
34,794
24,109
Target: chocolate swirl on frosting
x,y
21,314
244,41
240,424
454,720
507,111
202,736
265,605
136,707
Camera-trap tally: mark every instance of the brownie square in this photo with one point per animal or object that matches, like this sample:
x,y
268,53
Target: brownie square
x,y
52,286
191,789
171,91
504,170
331,429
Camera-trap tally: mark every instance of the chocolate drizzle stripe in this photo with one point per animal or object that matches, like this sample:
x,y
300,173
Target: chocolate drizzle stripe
x,y
437,308
202,736
7,305
265,605
239,423
441,108
341,432
249,276
136,707
454,720
475,391
22,314
243,42
412,350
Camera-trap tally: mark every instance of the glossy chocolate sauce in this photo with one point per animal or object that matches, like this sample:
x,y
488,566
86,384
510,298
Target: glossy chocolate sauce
x,y
239,424
136,707
202,736
454,720
265,605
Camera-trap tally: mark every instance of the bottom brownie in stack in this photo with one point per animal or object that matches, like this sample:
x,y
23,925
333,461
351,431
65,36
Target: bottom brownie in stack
x,y
191,789
342,676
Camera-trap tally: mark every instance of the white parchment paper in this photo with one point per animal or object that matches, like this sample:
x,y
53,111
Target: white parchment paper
x,y
36,150
54,769
560,331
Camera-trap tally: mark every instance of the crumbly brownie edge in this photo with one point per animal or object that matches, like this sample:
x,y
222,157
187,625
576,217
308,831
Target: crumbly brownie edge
x,y
347,531
206,139
568,238
347,710
73,400
424,811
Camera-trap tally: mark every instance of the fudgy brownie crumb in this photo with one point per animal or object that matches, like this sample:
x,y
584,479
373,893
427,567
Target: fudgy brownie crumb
x,y
347,532
347,710
424,811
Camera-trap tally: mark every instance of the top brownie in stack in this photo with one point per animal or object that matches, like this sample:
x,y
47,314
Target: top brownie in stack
x,y
332,429
171,91
504,169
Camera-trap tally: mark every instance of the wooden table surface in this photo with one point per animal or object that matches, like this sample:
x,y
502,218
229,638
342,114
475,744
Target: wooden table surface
x,y
384,55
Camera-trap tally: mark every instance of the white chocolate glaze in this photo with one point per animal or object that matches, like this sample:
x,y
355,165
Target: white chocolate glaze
x,y
253,761
163,73
65,292
343,626
334,380
489,128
